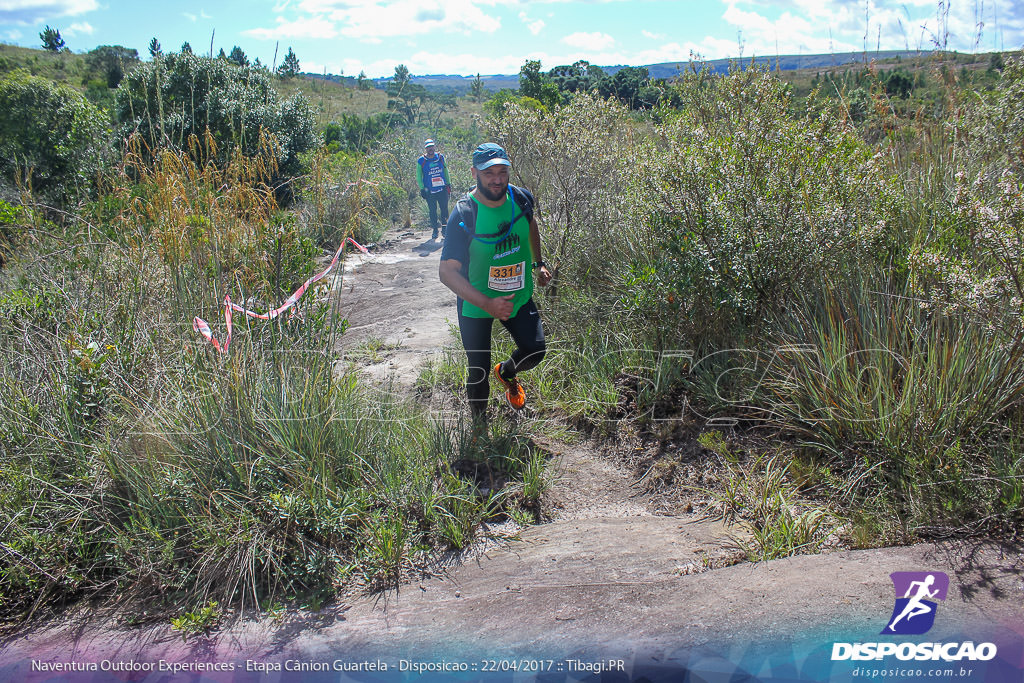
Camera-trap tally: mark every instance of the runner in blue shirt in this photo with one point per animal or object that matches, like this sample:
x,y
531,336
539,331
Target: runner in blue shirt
x,y
432,176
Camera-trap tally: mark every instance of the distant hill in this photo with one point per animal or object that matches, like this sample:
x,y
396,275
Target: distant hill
x,y
460,84
780,62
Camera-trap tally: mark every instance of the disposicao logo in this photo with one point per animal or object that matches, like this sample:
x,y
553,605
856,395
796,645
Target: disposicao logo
x,y
916,593
914,614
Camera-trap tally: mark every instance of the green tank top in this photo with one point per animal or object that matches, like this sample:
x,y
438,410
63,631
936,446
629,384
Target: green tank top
x,y
500,260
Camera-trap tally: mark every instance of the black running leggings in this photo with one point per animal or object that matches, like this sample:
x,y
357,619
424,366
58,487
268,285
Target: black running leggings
x,y
528,335
437,202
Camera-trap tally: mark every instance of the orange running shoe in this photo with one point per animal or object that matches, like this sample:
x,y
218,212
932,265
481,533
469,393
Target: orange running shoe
x,y
514,393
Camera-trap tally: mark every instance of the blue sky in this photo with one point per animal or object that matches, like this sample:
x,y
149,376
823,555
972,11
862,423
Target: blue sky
x,y
497,36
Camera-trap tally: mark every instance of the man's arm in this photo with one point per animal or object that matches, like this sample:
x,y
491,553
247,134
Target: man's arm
x,y
419,175
449,272
543,275
444,172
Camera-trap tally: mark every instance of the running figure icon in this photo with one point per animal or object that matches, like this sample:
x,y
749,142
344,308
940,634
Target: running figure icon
x,y
915,607
917,594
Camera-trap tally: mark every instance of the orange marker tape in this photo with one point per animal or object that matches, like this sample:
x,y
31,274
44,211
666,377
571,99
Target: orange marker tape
x,y
201,326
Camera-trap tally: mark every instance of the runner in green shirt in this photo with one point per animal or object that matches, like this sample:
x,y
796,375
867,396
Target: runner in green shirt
x,y
489,258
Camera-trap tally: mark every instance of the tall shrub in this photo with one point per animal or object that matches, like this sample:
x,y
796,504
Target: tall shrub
x,y
749,205
180,97
567,158
51,138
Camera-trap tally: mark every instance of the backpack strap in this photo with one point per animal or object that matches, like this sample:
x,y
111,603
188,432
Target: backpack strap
x,y
467,213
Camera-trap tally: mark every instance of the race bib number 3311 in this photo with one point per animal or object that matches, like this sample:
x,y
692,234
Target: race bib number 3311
x,y
509,278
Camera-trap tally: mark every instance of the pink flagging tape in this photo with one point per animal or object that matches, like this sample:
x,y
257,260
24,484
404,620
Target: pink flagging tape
x,y
201,326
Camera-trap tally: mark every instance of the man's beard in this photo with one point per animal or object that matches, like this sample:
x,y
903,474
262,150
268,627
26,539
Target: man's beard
x,y
490,196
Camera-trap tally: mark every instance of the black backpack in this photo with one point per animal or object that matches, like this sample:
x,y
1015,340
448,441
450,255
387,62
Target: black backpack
x,y
467,212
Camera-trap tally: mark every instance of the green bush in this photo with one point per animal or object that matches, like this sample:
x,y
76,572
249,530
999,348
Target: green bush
x,y
51,138
350,194
579,181
182,99
750,205
968,257
351,132
11,218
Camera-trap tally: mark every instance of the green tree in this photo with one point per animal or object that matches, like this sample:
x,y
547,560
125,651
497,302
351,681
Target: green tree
x,y
238,56
168,102
859,104
354,133
533,83
51,137
290,66
436,104
476,88
498,103
404,96
402,76
154,48
51,39
113,61
363,82
580,76
995,62
408,100
186,48
626,86
899,84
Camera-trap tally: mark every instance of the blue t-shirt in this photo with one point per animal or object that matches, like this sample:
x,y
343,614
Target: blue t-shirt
x,y
433,174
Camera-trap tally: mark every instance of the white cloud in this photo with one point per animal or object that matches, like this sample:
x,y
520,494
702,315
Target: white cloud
x,y
805,32
23,12
766,27
534,27
414,17
589,41
425,62
548,2
468,64
204,15
440,62
318,67
12,35
78,28
804,25
371,21
191,17
307,27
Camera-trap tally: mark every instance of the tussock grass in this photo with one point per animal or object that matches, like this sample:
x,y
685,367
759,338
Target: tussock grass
x,y
914,408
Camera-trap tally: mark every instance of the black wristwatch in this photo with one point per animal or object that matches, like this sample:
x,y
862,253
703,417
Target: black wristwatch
x,y
538,264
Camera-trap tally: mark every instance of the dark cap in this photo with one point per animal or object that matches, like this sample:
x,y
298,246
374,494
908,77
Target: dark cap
x,y
489,154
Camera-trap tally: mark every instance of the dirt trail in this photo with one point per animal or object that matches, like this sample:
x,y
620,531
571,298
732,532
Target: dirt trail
x,y
606,576
393,299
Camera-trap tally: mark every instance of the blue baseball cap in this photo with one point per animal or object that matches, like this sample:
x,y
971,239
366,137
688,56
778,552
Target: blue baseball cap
x,y
489,154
